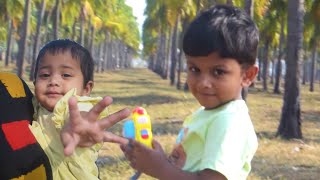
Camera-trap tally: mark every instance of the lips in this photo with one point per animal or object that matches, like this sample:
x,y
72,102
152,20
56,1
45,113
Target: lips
x,y
53,94
207,94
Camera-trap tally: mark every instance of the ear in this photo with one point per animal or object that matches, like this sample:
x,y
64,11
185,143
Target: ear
x,y
88,88
249,75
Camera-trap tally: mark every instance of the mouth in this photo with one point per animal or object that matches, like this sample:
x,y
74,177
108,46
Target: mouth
x,y
207,94
53,94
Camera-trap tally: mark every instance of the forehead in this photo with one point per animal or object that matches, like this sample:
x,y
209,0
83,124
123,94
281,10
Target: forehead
x,y
60,58
210,60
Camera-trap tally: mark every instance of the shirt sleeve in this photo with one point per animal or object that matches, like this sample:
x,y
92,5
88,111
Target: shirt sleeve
x,y
225,146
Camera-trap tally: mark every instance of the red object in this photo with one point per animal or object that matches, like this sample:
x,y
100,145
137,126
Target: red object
x,y
144,134
18,134
139,110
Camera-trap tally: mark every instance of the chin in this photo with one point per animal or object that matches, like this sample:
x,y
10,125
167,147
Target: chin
x,y
209,106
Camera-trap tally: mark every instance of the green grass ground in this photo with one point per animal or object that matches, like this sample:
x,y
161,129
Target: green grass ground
x,y
275,159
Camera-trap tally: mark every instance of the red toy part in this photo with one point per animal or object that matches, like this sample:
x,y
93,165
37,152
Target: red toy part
x,y
139,110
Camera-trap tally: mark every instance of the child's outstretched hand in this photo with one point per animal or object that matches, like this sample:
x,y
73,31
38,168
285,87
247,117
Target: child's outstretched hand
x,y
144,159
84,130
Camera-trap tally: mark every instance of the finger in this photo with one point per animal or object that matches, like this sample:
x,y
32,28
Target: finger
x,y
110,137
112,119
69,149
130,145
156,145
136,144
98,108
69,144
123,148
96,135
74,113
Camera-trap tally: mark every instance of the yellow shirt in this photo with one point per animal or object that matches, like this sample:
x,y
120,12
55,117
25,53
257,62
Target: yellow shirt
x,y
47,127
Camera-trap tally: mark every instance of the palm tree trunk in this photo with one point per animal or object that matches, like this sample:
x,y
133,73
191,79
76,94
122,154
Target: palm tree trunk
x,y
163,54
106,51
248,6
56,20
290,123
47,35
265,67
174,52
93,32
276,88
260,56
9,40
249,9
272,71
314,57
24,35
37,38
305,72
312,72
180,66
82,21
74,32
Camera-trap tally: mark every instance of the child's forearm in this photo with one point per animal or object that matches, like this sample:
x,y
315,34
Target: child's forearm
x,y
171,172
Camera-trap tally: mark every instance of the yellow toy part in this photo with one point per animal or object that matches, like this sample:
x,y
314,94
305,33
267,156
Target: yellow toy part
x,y
142,125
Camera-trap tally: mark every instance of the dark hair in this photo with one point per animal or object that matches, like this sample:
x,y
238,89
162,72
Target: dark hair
x,y
224,29
77,51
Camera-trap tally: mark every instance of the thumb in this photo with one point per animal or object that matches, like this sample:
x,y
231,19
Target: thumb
x,y
156,145
69,144
69,149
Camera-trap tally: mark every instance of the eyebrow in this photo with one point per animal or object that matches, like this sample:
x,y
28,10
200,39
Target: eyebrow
x,y
63,66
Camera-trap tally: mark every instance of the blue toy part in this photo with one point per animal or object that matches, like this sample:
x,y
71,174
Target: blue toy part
x,y
128,129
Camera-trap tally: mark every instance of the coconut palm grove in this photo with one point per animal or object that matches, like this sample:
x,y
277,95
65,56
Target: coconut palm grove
x,y
144,65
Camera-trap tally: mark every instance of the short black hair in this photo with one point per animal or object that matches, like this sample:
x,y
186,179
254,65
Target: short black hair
x,y
224,29
77,51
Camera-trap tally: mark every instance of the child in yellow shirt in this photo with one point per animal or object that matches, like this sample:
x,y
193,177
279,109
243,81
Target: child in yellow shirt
x,y
64,69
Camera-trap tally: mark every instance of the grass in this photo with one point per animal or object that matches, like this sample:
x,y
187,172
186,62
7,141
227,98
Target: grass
x,y
275,159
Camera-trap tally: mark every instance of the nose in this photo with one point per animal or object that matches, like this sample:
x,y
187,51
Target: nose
x,y
54,80
205,82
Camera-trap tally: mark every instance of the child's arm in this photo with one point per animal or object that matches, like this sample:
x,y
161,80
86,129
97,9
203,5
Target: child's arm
x,y
84,130
155,163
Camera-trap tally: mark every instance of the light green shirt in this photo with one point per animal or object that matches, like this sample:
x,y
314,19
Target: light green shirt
x,y
221,139
47,127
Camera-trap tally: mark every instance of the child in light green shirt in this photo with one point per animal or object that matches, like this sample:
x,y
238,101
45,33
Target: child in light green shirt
x,y
217,141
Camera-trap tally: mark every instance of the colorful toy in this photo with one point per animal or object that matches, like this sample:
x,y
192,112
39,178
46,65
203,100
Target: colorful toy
x,y
139,127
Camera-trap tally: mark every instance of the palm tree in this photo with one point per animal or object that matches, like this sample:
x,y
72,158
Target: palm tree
x,y
24,30
56,19
13,11
182,9
316,20
290,123
37,37
248,7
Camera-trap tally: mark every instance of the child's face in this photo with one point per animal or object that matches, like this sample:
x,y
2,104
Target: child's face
x,y
213,80
57,74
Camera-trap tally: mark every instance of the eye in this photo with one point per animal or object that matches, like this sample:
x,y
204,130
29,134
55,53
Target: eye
x,y
193,69
44,75
218,72
65,75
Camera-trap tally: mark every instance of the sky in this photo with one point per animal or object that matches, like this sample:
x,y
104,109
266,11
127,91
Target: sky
x,y
138,10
